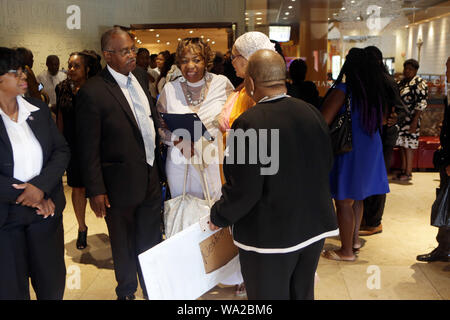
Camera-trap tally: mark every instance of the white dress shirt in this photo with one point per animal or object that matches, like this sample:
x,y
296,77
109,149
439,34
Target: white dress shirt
x,y
27,151
50,82
122,82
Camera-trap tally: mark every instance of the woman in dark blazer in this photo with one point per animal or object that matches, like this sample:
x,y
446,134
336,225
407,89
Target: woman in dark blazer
x,y
33,158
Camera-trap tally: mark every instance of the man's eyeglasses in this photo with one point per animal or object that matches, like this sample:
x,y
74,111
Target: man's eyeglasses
x,y
124,52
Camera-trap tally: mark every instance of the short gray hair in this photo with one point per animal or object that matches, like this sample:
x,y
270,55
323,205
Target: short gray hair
x,y
108,34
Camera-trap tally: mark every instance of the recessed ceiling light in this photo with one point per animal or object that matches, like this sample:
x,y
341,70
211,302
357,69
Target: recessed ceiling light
x,y
157,35
246,13
286,13
208,40
168,43
246,19
179,39
343,8
258,13
192,31
151,30
290,7
258,18
202,36
259,23
158,41
285,18
213,42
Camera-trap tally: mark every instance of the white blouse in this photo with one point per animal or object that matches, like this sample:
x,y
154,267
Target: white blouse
x,y
27,151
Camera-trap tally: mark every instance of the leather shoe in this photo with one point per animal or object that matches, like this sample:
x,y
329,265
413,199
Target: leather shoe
x,y
368,231
435,255
129,297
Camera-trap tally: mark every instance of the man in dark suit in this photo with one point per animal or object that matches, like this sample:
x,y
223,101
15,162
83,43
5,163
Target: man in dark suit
x,y
442,159
119,156
281,213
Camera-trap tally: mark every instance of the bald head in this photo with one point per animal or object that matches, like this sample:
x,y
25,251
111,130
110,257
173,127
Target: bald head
x,y
267,68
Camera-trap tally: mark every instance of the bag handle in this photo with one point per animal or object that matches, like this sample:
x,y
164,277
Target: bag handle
x,y
204,183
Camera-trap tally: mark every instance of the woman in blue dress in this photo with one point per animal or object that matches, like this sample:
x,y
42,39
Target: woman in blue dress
x,y
361,172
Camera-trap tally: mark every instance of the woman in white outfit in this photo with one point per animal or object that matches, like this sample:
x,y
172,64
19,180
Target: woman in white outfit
x,y
203,93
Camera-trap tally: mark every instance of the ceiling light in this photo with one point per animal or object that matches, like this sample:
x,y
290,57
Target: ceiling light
x,y
202,36
284,18
151,30
290,7
258,13
259,23
258,18
208,40
158,41
213,42
168,43
179,39
246,19
192,31
157,35
343,8
286,13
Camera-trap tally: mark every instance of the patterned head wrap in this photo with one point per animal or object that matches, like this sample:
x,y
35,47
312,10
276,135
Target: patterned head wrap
x,y
250,42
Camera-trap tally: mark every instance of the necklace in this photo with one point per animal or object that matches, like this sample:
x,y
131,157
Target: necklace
x,y
198,101
274,97
14,116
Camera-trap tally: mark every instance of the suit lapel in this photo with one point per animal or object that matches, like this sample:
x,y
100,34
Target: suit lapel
x,y
117,93
4,136
39,130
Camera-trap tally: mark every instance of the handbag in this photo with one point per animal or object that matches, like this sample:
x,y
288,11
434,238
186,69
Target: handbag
x,y
341,130
185,210
440,216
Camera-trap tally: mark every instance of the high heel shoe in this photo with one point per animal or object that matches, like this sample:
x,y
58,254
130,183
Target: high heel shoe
x,y
82,240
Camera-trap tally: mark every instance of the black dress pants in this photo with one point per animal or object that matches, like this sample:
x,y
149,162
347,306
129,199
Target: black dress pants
x,y
443,236
31,247
374,205
132,231
286,276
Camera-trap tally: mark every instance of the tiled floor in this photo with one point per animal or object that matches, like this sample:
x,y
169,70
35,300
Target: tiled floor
x,y
389,255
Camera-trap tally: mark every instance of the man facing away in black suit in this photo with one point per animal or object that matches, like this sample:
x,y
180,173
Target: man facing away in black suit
x,y
118,149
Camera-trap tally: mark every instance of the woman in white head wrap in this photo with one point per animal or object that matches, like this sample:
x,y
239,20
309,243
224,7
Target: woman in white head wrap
x,y
239,101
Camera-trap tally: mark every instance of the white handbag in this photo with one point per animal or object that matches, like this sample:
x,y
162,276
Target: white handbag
x,y
185,210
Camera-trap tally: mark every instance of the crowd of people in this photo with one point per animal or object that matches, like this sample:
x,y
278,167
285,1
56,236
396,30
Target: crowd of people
x,y
105,129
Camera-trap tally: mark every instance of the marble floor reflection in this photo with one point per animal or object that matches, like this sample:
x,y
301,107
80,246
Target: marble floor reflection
x,y
391,254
